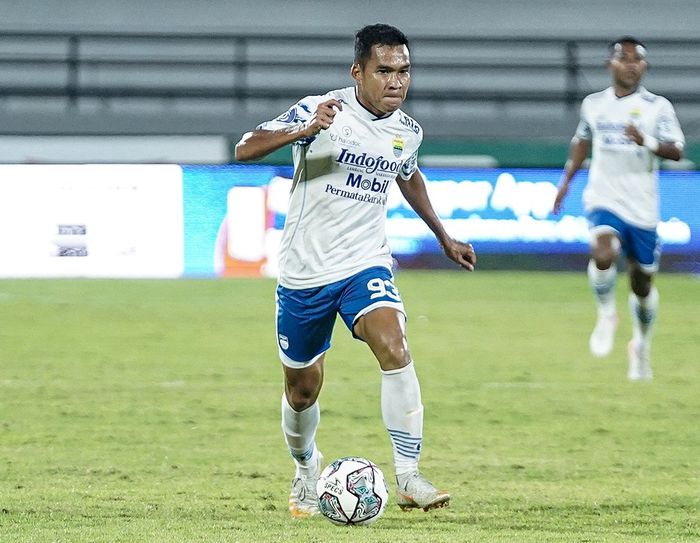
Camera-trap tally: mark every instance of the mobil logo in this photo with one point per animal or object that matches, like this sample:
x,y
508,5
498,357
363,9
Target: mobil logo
x,y
372,185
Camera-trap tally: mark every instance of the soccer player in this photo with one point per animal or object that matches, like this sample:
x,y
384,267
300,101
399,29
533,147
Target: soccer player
x,y
349,146
629,129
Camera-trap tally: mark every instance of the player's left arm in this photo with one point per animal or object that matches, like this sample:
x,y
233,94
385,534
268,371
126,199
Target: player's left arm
x,y
672,150
670,141
415,193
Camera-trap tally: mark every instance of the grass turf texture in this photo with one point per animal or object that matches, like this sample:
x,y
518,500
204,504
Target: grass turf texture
x,y
148,411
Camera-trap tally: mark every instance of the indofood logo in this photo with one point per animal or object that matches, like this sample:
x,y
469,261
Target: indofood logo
x,y
368,163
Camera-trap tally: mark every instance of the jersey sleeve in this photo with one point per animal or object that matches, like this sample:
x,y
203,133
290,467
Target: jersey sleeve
x,y
667,126
409,166
583,130
298,114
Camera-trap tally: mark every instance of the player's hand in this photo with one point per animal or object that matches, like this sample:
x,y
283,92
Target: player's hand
x,y
559,199
323,118
634,134
462,253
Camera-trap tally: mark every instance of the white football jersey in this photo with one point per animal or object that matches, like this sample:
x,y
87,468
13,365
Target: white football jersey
x,y
335,225
623,175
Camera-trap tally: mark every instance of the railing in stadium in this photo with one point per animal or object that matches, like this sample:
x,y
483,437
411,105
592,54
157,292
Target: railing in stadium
x,y
248,67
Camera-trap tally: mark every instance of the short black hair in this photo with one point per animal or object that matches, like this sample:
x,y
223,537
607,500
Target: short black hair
x,y
615,45
377,34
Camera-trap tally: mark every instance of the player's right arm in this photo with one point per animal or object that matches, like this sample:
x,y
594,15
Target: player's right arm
x,y
261,142
578,151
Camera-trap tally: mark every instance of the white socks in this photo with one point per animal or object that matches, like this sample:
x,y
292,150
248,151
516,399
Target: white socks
x,y
299,428
402,412
643,312
603,285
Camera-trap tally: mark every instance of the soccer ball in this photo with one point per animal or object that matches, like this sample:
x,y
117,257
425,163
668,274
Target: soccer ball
x,y
352,490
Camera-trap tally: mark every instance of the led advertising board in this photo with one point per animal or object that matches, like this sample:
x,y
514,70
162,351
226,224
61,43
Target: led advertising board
x,y
234,215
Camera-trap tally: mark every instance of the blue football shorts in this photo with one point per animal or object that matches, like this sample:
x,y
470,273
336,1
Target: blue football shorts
x,y
639,244
305,317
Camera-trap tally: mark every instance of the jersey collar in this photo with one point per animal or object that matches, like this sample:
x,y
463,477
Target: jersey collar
x,y
639,90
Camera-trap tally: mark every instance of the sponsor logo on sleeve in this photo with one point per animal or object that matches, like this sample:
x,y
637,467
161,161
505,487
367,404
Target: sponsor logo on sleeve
x,y
409,123
288,116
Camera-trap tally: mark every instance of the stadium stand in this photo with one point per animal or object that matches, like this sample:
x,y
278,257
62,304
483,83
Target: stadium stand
x,y
512,97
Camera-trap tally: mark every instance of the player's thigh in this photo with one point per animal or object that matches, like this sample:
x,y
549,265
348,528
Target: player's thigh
x,y
607,232
305,320
371,307
384,331
643,248
643,253
368,290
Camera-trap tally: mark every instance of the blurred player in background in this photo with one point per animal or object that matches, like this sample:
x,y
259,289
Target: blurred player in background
x,y
349,146
629,129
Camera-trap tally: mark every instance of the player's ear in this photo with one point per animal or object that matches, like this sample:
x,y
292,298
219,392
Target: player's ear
x,y
356,71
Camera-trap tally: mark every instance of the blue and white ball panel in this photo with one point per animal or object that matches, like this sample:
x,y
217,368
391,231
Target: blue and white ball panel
x,y
639,244
305,317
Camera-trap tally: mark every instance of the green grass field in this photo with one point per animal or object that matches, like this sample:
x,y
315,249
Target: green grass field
x,y
148,411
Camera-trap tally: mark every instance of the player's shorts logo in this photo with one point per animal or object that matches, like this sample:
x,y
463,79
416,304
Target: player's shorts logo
x,y
284,342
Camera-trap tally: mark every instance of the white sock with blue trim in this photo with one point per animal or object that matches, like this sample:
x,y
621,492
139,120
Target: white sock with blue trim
x,y
603,285
299,428
402,412
643,312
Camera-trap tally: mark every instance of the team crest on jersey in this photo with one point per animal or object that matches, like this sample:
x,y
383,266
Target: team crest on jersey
x,y
397,144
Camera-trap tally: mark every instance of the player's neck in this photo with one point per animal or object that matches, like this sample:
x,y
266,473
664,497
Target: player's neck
x,y
621,92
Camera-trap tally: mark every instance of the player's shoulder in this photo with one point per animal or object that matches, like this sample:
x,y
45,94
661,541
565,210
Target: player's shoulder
x,y
409,124
597,97
656,99
344,95
311,102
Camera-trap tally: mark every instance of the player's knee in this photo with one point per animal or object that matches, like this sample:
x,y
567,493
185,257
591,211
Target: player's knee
x,y
605,251
604,257
302,397
640,283
394,357
303,393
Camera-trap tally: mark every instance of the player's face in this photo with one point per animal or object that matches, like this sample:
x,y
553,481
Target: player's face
x,y
382,83
627,67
